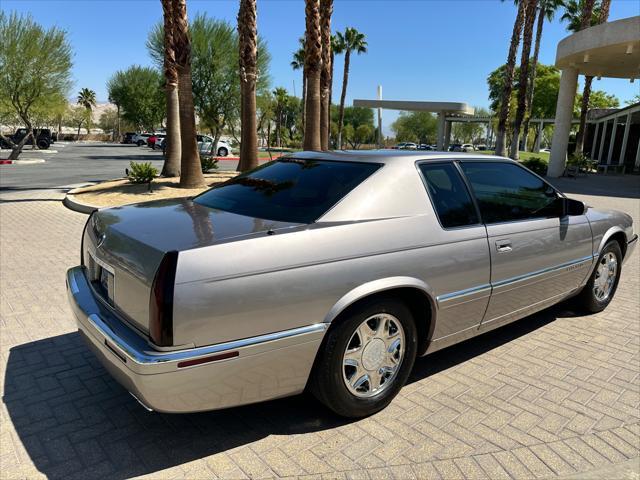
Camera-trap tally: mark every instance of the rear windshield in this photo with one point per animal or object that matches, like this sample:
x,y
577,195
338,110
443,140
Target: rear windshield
x,y
288,190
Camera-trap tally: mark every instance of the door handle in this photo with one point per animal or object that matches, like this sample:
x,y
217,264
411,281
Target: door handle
x,y
503,246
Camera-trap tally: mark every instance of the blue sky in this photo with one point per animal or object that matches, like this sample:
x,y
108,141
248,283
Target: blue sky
x,y
419,50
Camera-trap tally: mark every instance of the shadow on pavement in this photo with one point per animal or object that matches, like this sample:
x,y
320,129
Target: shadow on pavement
x,y
75,421
626,186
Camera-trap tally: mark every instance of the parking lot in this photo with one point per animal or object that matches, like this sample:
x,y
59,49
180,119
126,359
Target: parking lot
x,y
74,163
554,395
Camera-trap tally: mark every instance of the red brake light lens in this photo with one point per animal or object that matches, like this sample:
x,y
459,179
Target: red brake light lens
x,y
161,301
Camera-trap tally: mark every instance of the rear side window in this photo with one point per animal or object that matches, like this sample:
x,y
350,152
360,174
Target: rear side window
x,y
449,195
288,190
506,192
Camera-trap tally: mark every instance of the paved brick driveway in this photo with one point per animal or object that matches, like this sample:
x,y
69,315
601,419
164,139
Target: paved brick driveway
x,y
553,395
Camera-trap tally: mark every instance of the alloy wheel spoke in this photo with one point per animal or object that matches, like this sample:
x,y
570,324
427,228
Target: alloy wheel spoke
x,y
365,332
359,381
375,379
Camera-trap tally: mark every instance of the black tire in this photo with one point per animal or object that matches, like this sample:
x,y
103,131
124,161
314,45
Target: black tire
x,y
327,383
43,144
223,152
586,300
140,143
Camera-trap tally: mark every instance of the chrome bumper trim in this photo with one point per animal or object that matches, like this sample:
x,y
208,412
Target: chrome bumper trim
x,y
146,357
117,336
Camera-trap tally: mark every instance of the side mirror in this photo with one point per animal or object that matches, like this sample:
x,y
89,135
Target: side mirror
x,y
573,207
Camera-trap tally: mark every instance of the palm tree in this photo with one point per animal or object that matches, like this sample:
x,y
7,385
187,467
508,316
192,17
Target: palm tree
x,y
280,96
298,64
190,167
507,87
326,10
351,41
546,10
171,167
87,99
583,14
527,38
248,45
312,68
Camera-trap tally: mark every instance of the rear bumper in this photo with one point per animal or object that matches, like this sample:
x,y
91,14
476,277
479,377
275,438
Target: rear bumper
x,y
255,369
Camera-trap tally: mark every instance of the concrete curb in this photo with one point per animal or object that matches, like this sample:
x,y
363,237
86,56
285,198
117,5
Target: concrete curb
x,y
77,206
24,161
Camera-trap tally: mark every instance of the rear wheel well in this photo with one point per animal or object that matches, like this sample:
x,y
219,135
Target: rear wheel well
x,y
621,238
416,300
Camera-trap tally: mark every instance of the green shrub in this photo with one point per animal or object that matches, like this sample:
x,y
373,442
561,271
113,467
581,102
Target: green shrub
x,y
142,172
208,163
577,160
536,165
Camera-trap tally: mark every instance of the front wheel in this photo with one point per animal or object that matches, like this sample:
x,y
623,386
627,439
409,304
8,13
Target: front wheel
x,y
366,358
603,283
223,152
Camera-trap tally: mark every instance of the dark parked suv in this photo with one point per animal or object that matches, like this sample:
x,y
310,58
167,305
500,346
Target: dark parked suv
x,y
42,135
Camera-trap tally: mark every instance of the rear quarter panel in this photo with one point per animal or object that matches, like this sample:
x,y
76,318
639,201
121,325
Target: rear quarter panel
x,y
277,282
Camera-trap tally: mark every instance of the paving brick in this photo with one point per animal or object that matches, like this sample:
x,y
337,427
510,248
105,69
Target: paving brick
x,y
556,394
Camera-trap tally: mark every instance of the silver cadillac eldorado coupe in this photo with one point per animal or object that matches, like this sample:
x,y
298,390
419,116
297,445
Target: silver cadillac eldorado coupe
x,y
331,272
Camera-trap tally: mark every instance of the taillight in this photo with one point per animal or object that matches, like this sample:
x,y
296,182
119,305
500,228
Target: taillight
x,y
161,302
84,231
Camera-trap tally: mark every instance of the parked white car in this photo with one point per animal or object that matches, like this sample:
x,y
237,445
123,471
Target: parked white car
x,y
205,144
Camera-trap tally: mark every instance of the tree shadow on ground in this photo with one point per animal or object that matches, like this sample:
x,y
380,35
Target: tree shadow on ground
x,y
75,421
623,186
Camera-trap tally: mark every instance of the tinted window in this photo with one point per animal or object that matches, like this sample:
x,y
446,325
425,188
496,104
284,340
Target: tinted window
x,y
288,190
506,192
449,195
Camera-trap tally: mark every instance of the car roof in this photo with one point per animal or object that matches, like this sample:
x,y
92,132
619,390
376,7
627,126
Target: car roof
x,y
392,156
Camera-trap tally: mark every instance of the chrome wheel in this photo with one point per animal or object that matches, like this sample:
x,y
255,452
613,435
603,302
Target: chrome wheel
x,y
605,279
373,355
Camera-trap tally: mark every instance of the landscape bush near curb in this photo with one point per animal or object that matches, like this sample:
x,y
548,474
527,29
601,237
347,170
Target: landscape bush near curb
x,y
142,172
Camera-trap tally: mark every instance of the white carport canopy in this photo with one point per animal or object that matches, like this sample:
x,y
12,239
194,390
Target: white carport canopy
x,y
441,108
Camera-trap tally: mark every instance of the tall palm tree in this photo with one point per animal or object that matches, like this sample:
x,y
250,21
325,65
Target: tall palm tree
x,y
581,14
248,45
326,10
298,64
349,41
280,96
501,132
523,82
190,167
546,11
171,167
313,69
87,99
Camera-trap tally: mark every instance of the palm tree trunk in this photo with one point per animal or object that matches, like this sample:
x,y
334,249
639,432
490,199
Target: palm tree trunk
x,y
248,45
586,92
530,17
190,166
304,94
584,108
313,67
326,10
501,132
171,167
343,95
532,78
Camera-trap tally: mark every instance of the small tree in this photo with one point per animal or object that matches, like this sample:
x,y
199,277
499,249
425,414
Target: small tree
x,y
139,94
79,116
35,64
